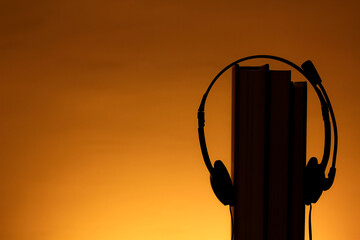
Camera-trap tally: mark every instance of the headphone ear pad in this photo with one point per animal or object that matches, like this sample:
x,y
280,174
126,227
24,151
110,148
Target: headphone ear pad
x,y
313,181
221,183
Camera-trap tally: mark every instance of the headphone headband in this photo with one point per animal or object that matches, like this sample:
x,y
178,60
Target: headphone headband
x,y
309,72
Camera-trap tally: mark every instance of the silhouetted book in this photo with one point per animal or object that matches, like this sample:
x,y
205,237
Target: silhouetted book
x,y
248,150
279,122
298,159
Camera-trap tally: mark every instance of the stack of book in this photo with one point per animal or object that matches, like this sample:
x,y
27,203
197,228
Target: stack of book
x,y
268,154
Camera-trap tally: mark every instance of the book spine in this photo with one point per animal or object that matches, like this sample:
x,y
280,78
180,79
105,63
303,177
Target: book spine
x,y
240,153
298,160
279,123
248,147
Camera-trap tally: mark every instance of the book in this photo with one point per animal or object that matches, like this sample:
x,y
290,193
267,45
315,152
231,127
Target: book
x,y
278,160
298,159
249,150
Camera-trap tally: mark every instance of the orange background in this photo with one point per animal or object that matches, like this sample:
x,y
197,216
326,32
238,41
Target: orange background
x,y
98,112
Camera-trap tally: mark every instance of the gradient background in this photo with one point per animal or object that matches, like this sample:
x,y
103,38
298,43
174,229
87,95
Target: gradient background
x,y
98,112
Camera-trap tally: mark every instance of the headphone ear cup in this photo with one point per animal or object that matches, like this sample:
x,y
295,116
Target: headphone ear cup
x,y
314,179
221,183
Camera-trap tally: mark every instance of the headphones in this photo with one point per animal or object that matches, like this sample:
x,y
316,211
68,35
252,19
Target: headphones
x,y
315,181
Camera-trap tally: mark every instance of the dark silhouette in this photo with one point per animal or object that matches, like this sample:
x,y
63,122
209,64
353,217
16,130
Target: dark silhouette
x,y
314,181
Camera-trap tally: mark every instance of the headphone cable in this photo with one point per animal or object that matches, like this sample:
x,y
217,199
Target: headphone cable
x,y
232,224
310,232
